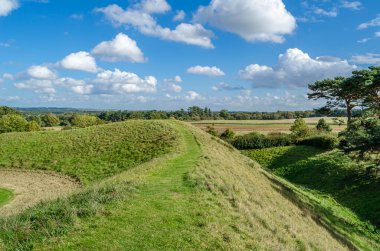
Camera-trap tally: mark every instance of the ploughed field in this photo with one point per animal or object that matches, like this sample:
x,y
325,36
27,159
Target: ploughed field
x,y
262,126
152,185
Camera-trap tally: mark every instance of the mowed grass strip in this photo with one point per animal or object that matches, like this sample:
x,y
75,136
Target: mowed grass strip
x,y
5,196
88,154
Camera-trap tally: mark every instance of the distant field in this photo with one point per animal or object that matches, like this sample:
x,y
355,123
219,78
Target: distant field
x,y
263,126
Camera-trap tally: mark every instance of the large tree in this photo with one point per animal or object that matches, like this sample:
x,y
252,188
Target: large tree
x,y
339,93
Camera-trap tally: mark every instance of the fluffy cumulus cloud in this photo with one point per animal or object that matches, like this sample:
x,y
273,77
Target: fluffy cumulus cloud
x,y
140,17
179,16
172,84
369,58
41,72
7,6
81,61
296,68
206,70
372,23
192,96
121,49
77,86
38,85
253,20
122,82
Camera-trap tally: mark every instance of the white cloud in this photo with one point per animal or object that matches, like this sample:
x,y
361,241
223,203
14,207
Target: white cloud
x,y
226,87
253,20
155,6
322,12
121,49
192,95
296,68
41,72
75,85
171,84
206,70
7,6
142,20
81,61
364,40
372,23
38,85
352,5
124,82
377,34
369,58
179,16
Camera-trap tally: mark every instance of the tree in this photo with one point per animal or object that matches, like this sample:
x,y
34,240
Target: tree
x,y
33,126
5,110
339,92
224,114
83,121
12,123
322,126
228,134
50,120
338,121
299,128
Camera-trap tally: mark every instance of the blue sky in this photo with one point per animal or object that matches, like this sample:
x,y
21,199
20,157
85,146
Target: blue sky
x,y
253,55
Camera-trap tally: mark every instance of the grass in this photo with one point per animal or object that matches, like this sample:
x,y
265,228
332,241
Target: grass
x,y
343,188
204,195
5,196
88,154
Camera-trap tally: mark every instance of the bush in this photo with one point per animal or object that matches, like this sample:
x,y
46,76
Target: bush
x,y
211,130
33,126
258,141
50,120
82,121
300,129
12,123
324,141
322,126
228,134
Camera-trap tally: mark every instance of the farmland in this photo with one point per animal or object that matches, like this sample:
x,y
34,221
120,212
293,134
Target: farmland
x,y
262,126
192,192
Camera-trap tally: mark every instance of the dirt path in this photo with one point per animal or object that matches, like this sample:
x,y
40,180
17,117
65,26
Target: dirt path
x,y
30,188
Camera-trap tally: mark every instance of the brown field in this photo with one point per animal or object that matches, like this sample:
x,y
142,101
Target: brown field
x,y
29,188
262,126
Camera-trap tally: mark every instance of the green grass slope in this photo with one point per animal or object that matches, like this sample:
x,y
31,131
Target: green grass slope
x,y
87,154
345,188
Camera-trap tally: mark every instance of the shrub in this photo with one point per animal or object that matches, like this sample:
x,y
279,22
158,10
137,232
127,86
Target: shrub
x,y
299,129
228,134
33,126
211,130
322,126
50,120
324,141
279,139
12,123
258,141
83,121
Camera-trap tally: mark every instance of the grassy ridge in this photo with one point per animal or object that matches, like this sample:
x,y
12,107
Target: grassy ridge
x,y
5,196
344,188
88,154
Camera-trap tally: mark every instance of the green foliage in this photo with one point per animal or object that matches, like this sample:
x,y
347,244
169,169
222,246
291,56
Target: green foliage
x,y
335,177
324,141
228,134
339,121
50,120
363,134
258,141
5,110
322,126
33,126
211,130
82,121
91,153
12,123
299,129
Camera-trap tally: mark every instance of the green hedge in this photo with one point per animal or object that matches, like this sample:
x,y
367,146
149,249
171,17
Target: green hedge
x,y
324,141
258,141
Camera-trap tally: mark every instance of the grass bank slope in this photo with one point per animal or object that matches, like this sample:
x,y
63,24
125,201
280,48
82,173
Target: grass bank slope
x,y
343,191
203,196
87,154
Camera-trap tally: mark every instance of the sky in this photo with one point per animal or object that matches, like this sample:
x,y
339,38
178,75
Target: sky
x,y
240,55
